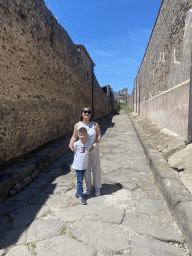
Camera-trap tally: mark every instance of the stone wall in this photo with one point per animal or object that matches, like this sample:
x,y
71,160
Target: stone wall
x,y
123,95
44,79
169,109
165,46
130,102
103,104
165,67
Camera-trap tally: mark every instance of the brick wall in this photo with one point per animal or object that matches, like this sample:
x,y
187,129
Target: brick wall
x,y
43,79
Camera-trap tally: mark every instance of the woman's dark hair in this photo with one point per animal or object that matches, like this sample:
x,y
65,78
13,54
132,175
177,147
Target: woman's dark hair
x,y
81,118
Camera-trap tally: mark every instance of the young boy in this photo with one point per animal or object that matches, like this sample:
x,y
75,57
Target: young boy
x,y
82,148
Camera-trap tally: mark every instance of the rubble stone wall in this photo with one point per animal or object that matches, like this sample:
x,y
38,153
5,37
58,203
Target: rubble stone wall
x,y
43,79
165,44
103,104
161,87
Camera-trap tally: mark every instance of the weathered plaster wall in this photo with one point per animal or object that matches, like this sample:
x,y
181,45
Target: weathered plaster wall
x,y
130,102
166,39
170,109
180,70
43,78
160,88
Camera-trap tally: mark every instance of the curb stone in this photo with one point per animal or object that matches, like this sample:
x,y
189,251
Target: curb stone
x,y
177,197
16,173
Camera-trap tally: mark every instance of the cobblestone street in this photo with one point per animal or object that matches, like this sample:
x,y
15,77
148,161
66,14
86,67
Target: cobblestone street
x,y
129,218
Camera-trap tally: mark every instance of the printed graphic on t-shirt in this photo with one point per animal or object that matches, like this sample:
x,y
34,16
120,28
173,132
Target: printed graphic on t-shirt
x,y
82,149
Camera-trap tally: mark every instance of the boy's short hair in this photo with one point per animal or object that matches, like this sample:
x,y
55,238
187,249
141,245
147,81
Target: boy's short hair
x,y
82,129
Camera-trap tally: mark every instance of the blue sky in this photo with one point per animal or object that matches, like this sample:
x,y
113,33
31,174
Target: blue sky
x,y
114,32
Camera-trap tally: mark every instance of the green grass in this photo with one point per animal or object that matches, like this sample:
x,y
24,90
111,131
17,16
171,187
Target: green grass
x,y
123,104
63,232
123,107
33,245
123,111
119,252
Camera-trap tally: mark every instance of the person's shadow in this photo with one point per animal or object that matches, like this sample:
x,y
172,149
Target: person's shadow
x,y
106,189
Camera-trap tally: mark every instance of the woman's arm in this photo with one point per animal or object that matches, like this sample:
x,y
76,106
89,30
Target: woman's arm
x,y
74,137
98,134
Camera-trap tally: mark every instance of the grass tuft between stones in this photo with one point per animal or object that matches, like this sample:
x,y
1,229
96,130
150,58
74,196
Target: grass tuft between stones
x,y
30,244
63,232
119,252
33,245
74,237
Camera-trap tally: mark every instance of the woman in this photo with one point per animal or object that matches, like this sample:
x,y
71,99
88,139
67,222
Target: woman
x,y
94,133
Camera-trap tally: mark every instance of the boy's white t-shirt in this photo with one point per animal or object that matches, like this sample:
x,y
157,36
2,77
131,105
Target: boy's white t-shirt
x,y
81,155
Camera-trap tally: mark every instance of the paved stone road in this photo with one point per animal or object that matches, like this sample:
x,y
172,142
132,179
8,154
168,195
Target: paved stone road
x,y
129,218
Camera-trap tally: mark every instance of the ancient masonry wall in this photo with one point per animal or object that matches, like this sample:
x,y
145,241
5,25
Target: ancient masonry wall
x,y
170,109
44,79
166,40
102,105
165,69
130,102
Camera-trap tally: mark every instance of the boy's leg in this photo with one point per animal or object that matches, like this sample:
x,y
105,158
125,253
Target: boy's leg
x,y
83,173
80,174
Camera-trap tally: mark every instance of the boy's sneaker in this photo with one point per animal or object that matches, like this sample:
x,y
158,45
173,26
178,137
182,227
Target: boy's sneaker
x,y
87,191
97,192
76,195
83,201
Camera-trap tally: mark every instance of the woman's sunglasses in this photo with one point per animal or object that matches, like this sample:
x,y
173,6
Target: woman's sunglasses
x,y
86,111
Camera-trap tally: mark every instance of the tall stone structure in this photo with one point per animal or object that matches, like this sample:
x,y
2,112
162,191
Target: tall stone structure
x,y
164,47
123,95
161,87
45,79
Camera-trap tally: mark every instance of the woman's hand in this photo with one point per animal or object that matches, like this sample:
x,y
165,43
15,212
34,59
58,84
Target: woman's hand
x,y
98,133
91,149
95,145
71,146
73,138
